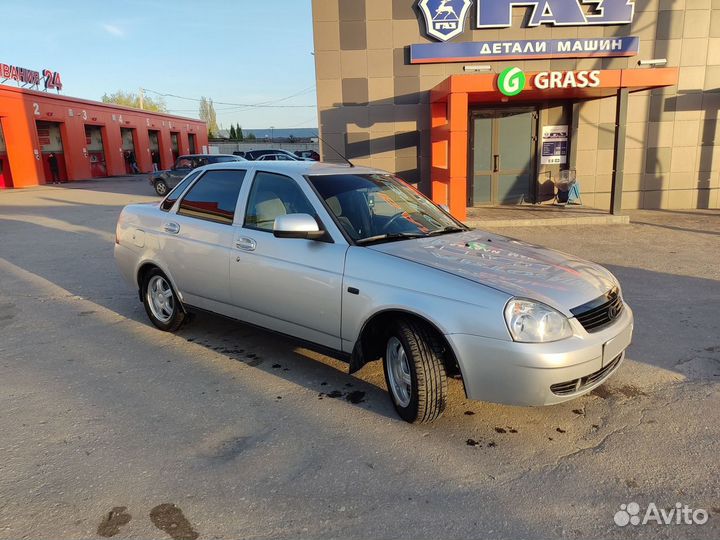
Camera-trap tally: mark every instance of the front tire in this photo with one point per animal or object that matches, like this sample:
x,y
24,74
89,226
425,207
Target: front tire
x,y
415,373
161,303
161,188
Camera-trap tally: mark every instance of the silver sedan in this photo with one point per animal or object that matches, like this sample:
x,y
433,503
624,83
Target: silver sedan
x,y
357,262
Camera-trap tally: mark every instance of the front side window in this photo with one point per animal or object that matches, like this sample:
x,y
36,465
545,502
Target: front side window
x,y
214,197
381,206
174,195
274,195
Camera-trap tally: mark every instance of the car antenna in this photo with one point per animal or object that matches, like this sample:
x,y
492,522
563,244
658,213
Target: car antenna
x,y
335,150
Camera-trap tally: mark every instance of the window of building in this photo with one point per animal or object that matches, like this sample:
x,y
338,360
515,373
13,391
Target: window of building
x,y
274,195
214,197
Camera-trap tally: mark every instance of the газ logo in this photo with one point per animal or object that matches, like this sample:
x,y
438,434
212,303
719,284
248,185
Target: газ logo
x,y
498,13
512,81
444,19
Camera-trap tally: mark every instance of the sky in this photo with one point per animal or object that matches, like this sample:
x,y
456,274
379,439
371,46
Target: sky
x,y
234,51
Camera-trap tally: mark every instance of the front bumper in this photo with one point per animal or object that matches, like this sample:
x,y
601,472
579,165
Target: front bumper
x,y
523,373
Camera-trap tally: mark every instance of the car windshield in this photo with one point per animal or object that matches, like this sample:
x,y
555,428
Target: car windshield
x,y
380,207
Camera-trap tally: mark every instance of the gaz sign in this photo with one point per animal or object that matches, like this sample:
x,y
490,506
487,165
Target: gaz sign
x,y
498,13
512,81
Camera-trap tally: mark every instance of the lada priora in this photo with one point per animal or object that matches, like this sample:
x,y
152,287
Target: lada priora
x,y
356,262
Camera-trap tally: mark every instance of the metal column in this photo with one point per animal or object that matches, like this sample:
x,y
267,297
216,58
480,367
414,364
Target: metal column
x,y
619,158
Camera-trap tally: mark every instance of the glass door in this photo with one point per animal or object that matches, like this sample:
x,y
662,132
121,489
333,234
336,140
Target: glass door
x,y
503,156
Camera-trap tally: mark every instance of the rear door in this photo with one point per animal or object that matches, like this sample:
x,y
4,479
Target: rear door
x,y
196,241
289,285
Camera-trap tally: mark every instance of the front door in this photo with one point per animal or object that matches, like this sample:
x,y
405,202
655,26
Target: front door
x,y
503,157
288,285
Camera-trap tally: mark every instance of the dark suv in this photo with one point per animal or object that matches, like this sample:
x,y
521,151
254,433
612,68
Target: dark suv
x,y
164,181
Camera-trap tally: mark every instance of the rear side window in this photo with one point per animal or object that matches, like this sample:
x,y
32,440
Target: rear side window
x,y
174,195
213,197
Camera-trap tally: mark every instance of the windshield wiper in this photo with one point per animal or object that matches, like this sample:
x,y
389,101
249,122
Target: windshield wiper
x,y
390,237
447,230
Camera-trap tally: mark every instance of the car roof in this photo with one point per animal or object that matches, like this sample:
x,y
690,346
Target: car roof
x,y
310,168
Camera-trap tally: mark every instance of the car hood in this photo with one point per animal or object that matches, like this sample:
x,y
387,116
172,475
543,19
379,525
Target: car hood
x,y
514,267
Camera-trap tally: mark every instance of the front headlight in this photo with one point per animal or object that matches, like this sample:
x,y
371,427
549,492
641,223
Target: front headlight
x,y
533,322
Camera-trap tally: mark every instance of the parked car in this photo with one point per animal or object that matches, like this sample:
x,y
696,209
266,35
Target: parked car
x,y
359,263
239,153
308,154
164,181
279,157
254,155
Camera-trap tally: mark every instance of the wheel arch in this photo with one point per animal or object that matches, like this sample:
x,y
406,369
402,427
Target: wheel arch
x,y
146,266
373,334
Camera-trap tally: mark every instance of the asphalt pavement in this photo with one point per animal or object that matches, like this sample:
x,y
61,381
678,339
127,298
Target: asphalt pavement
x,y
110,427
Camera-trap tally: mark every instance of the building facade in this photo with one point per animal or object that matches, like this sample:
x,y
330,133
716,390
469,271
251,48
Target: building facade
x,y
486,102
45,136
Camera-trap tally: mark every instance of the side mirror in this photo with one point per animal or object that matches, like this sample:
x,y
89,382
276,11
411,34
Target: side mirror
x,y
297,226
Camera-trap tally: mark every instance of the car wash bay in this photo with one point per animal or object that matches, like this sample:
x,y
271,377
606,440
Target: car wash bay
x,y
48,137
485,144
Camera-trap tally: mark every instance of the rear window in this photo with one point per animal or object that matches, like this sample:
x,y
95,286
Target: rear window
x,y
174,195
214,197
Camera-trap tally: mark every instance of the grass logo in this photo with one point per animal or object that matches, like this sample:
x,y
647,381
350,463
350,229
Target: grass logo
x,y
512,81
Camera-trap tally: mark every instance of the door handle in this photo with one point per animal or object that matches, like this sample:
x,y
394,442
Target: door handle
x,y
496,163
246,244
171,228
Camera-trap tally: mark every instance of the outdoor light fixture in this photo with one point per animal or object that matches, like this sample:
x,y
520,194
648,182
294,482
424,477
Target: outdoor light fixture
x,y
477,68
654,62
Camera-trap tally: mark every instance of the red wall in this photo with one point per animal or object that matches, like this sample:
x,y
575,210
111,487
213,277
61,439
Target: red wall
x,y
20,109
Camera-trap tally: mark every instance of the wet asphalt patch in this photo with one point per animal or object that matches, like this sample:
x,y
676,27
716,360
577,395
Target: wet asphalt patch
x,y
353,397
112,521
236,353
170,519
8,311
627,391
478,444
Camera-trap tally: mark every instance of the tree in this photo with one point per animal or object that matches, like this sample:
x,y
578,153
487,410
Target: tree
x,y
239,133
130,99
250,136
233,135
207,113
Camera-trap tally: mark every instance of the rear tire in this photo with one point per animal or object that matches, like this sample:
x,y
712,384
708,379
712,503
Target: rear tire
x,y
161,188
414,372
161,303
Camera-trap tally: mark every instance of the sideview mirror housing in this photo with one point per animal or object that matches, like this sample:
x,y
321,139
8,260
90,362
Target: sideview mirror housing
x,y
297,226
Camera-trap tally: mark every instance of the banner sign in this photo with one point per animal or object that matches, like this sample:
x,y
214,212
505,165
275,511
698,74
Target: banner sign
x,y
498,13
30,77
478,51
554,145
